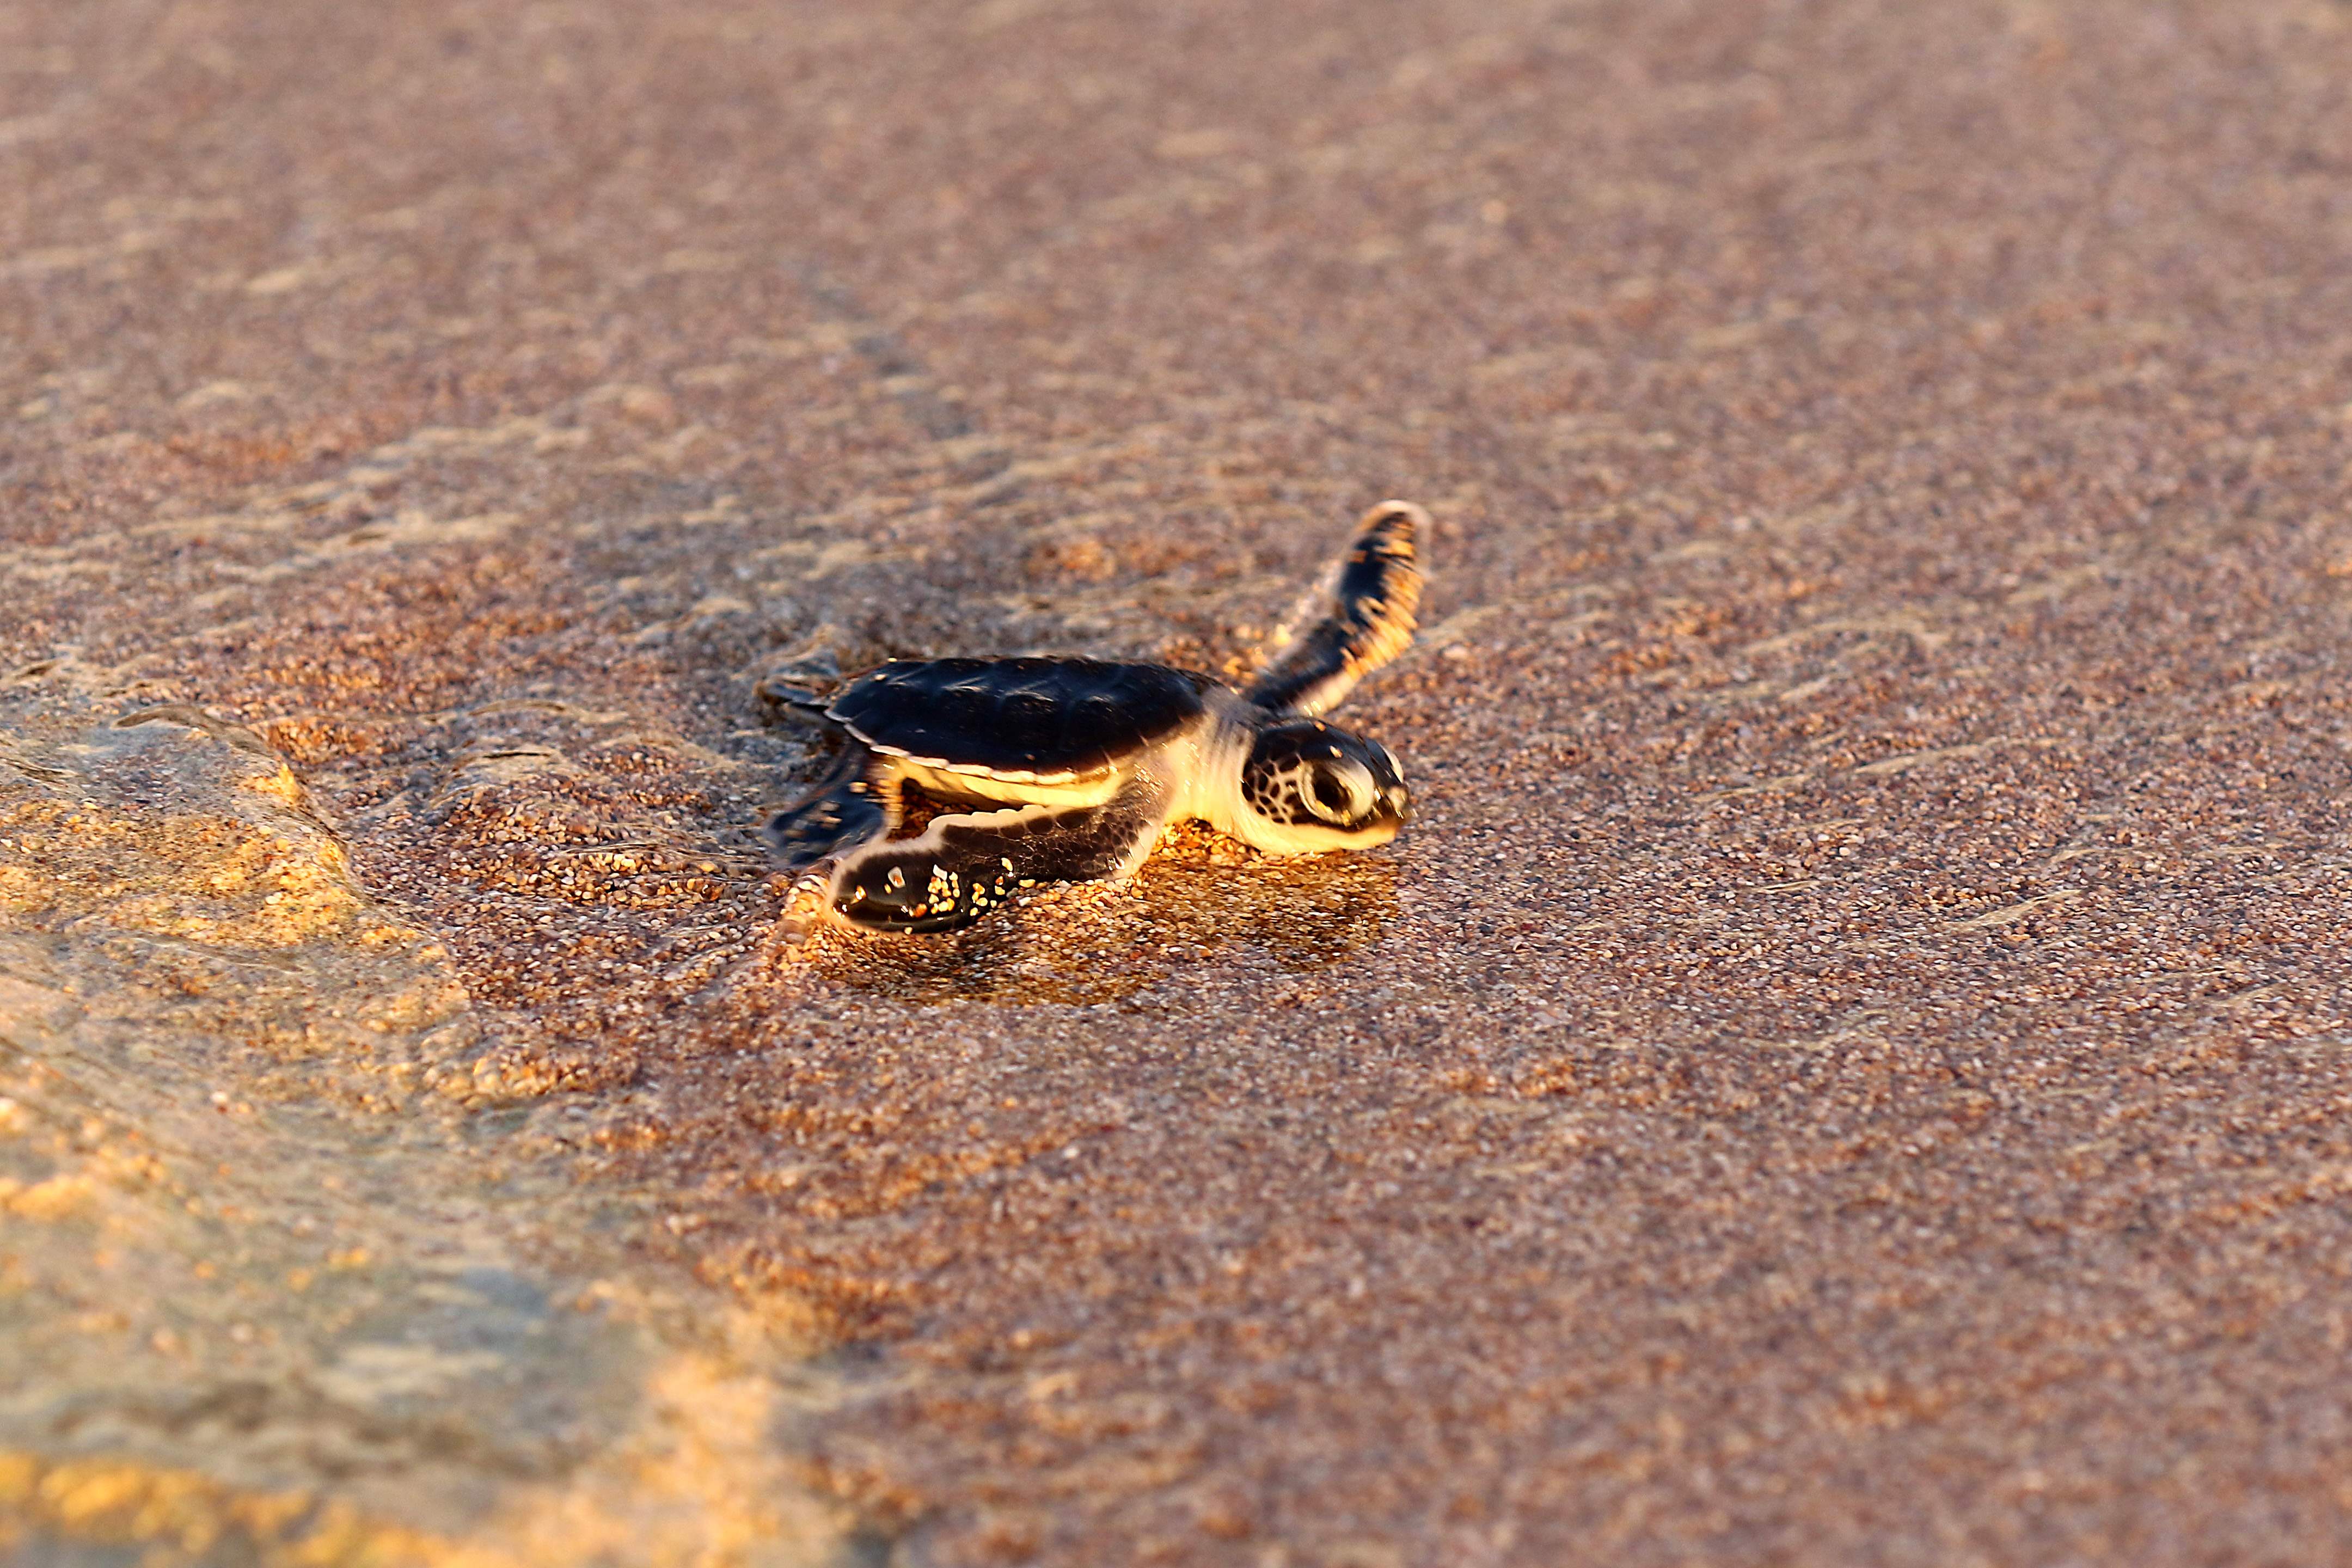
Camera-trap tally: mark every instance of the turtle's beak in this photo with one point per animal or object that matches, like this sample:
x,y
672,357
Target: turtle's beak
x,y
1397,803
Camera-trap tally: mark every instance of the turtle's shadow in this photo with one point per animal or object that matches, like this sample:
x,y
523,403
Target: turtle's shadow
x,y
1089,946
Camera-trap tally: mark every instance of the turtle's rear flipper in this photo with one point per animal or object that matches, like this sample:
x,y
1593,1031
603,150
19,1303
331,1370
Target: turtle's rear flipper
x,y
963,866
848,808
799,689
1363,616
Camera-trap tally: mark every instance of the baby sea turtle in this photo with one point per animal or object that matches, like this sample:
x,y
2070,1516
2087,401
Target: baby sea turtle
x,y
1064,770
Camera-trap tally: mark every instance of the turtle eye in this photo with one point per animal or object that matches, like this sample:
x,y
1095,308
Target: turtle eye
x,y
1331,795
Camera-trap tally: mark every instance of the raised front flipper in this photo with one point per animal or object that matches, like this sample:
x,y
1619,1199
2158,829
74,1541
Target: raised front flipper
x,y
963,866
1362,616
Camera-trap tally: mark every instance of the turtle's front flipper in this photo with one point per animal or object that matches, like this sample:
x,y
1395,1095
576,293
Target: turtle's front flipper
x,y
855,805
1365,611
963,866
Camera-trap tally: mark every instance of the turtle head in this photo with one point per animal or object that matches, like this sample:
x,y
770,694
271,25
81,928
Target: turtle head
x,y
1306,787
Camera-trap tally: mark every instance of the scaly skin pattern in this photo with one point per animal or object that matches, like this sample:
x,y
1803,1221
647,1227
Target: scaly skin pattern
x,y
962,866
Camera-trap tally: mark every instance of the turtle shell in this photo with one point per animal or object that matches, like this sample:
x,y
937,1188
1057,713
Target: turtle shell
x,y
1035,721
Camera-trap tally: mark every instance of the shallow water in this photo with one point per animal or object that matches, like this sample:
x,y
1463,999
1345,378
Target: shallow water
x,y
273,1275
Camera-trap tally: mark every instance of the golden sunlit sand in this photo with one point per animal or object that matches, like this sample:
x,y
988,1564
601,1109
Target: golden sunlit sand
x,y
1846,1063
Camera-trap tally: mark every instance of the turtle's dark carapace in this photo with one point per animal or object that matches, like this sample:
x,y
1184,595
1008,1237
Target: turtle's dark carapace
x,y
1041,716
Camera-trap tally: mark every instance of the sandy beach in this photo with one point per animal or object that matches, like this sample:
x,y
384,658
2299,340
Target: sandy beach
x,y
1848,1065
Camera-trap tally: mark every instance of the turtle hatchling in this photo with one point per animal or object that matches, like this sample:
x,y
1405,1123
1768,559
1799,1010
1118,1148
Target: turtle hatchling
x,y
1065,770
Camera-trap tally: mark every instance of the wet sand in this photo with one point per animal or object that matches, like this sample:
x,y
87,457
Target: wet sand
x,y
1848,1064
